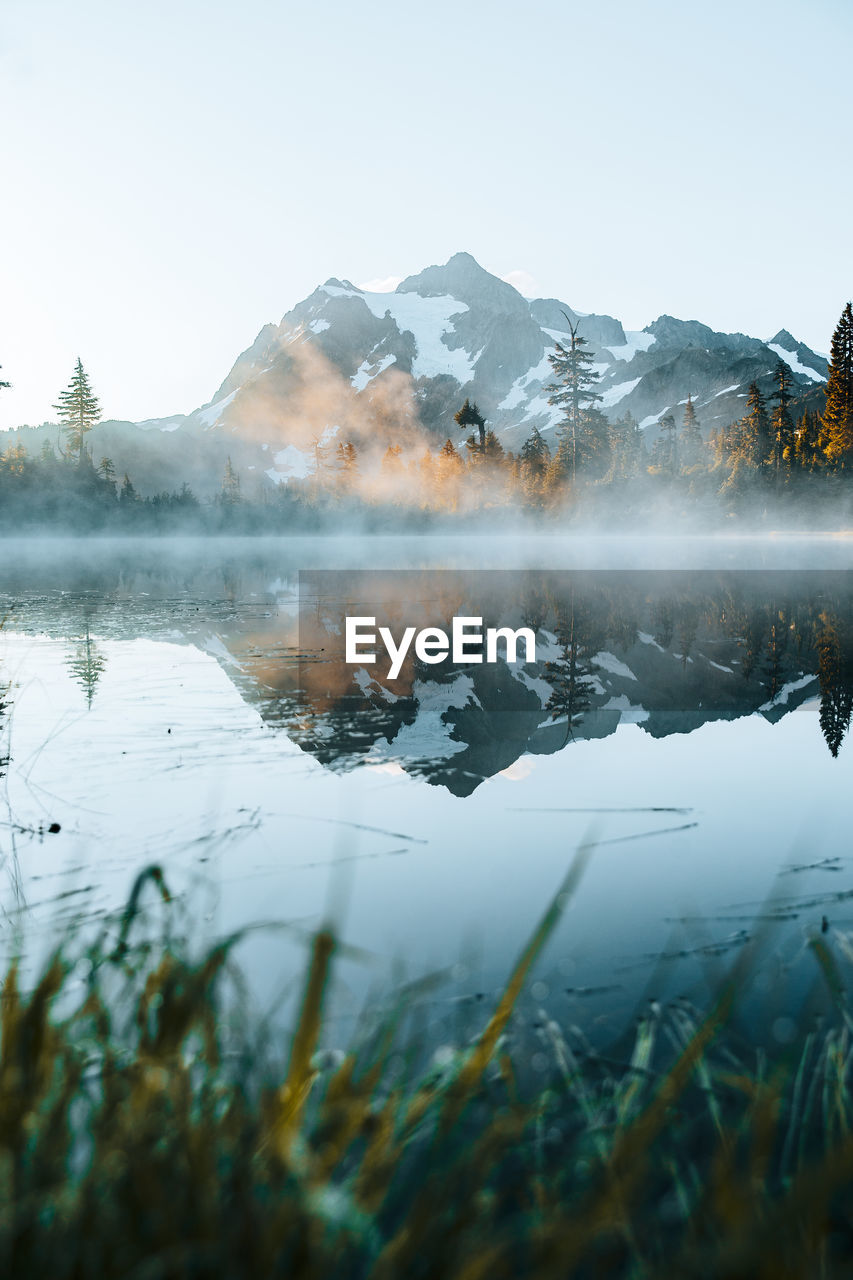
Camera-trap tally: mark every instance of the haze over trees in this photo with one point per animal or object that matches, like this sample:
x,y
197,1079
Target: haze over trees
x,y
788,459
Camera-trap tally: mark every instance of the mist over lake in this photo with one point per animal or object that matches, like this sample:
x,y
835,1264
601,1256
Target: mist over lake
x,y
163,707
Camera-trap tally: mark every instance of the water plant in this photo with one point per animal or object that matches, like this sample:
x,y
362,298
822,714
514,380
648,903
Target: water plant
x,y
145,1134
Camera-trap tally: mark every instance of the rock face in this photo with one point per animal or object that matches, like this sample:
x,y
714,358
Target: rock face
x,y
370,365
456,330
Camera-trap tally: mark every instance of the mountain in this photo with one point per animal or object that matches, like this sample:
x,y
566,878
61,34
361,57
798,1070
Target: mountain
x,y
668,653
382,367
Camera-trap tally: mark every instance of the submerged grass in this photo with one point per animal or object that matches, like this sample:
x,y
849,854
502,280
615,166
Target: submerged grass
x,y
145,1135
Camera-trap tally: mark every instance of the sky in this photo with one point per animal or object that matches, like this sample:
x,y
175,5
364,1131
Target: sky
x,y
177,174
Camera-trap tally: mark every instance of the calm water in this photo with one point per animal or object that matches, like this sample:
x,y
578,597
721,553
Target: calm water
x,y
165,704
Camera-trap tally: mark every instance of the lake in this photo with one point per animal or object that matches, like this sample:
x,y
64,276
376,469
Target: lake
x,y
186,704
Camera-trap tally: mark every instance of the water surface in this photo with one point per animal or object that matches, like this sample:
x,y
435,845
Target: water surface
x,y
165,705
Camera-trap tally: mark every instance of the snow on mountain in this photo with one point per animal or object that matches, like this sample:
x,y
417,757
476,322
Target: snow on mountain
x,y
791,351
370,365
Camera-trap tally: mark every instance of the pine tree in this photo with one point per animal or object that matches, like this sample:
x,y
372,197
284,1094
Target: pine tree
x,y
230,492
532,467
391,461
536,452
690,443
808,446
665,452
127,493
835,670
87,666
755,439
489,449
446,475
469,416
320,451
107,470
582,429
838,414
346,459
4,384
570,676
79,410
781,423
627,448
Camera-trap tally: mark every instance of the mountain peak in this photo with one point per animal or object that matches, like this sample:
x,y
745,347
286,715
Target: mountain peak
x,y
463,278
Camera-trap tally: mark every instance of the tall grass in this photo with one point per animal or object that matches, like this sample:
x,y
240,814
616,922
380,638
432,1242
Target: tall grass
x,y
144,1135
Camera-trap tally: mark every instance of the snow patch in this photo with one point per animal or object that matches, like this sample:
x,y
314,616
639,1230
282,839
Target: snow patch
x,y
370,369
630,713
429,320
726,390
635,342
614,394
787,689
337,291
609,662
792,361
428,737
211,415
293,464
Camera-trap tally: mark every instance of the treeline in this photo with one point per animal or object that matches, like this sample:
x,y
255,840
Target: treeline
x,y
772,461
743,642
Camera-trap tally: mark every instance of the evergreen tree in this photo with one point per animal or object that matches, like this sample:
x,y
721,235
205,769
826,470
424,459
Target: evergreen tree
x,y
489,449
808,442
320,451
535,452
4,384
469,416
87,666
425,471
15,460
690,443
582,429
127,493
754,442
570,676
446,476
838,414
781,423
627,448
107,470
665,451
230,491
835,671
79,410
532,467
347,457
391,461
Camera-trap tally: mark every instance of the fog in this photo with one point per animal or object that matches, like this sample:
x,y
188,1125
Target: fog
x,y
36,562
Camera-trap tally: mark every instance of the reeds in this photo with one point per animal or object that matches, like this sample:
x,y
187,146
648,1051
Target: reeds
x,y
139,1139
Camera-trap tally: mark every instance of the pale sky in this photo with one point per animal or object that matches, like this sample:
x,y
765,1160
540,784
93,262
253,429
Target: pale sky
x,y
180,172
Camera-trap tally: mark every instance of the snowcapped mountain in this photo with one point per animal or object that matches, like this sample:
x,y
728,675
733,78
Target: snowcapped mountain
x,y
456,330
668,653
377,367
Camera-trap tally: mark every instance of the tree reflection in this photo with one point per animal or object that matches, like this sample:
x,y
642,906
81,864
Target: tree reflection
x,y
87,666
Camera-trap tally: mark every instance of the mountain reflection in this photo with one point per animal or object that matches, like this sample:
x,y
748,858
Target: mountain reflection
x,y
668,652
